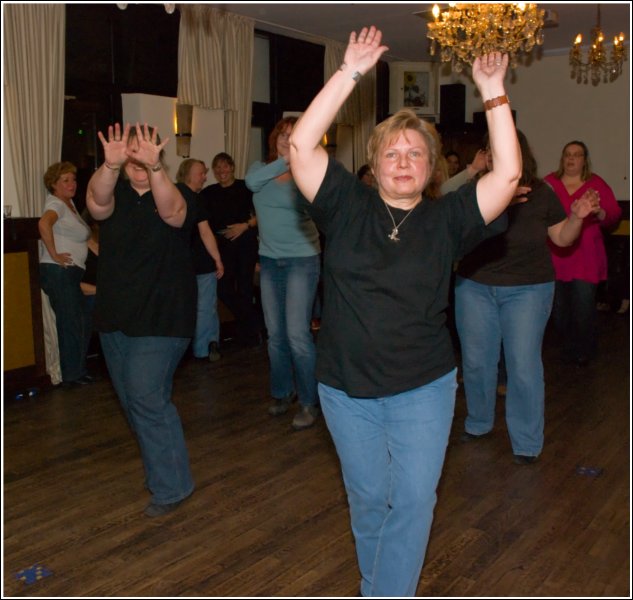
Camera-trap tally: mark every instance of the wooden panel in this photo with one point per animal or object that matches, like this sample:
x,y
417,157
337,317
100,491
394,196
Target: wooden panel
x,y
24,296
19,348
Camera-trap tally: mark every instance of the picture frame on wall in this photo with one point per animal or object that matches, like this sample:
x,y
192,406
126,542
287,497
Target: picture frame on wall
x,y
413,85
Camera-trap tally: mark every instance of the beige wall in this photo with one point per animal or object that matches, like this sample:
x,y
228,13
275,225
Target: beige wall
x,y
207,128
552,109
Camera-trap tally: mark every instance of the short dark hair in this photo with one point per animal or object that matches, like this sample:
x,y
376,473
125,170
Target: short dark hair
x,y
363,171
222,156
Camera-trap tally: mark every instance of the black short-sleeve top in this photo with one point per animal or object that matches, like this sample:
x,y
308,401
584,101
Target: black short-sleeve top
x,y
146,284
383,330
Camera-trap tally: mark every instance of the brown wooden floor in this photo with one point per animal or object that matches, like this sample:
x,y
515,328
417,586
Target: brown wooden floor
x,y
269,515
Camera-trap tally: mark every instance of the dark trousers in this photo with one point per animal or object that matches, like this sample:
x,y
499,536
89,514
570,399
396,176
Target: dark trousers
x,y
574,317
235,287
61,285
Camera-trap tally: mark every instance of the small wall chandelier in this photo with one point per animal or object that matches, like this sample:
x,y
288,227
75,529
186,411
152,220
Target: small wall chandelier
x,y
598,66
465,31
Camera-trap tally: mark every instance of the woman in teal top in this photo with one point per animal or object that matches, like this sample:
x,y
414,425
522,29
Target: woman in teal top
x,y
290,268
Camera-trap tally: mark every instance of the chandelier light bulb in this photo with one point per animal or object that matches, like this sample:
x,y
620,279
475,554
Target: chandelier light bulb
x,y
465,31
599,66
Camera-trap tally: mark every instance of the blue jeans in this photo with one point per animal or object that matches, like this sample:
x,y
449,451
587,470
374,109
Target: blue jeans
x,y
288,286
392,452
574,317
517,315
61,285
207,321
142,371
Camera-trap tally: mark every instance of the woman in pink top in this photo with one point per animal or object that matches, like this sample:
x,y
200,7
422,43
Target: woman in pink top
x,y
580,267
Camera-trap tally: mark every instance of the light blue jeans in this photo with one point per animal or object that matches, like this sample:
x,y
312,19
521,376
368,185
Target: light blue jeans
x,y
391,451
288,287
142,371
486,315
207,321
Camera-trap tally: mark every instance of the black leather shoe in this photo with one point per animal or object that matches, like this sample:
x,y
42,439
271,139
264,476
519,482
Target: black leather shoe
x,y
471,437
76,382
158,510
521,459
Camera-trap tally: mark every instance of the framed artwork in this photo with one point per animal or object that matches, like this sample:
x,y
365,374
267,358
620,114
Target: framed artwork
x,y
413,85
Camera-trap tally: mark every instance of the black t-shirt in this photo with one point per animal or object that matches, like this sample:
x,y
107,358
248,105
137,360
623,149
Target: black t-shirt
x,y
145,283
203,262
521,255
226,206
383,329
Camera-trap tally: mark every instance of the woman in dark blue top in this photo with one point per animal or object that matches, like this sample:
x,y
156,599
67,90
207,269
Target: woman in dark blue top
x,y
146,299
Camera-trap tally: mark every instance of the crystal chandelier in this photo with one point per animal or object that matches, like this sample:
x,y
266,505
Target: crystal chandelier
x,y
465,31
598,65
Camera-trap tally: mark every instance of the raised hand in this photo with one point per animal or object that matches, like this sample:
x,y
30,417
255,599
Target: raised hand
x,y
490,69
147,151
364,49
115,147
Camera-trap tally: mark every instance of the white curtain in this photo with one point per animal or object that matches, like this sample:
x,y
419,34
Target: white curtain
x,y
359,110
34,66
51,343
215,63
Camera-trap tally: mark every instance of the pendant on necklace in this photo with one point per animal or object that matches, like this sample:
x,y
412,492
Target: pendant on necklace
x,y
393,236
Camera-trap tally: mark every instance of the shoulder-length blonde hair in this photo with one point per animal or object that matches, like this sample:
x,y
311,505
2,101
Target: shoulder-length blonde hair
x,y
185,168
586,169
275,133
391,128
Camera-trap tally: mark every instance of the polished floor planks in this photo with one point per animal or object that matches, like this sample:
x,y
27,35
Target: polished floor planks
x,y
269,515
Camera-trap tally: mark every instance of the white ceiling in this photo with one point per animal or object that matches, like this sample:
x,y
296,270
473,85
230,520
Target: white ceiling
x,y
405,33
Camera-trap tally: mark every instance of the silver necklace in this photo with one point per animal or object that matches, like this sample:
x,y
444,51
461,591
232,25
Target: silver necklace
x,y
393,236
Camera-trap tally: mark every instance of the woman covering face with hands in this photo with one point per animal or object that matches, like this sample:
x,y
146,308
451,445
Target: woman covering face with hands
x,y
385,363
146,298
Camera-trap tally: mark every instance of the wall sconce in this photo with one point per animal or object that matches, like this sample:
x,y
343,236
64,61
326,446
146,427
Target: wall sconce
x,y
184,118
329,140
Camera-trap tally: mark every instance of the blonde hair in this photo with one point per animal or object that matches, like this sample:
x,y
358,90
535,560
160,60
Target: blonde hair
x,y
439,176
185,167
391,128
586,168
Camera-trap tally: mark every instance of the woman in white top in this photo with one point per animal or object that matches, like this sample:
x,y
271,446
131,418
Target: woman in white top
x,y
65,237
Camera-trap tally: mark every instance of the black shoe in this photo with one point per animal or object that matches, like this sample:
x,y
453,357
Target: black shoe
x,y
282,405
85,380
158,510
471,437
522,459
